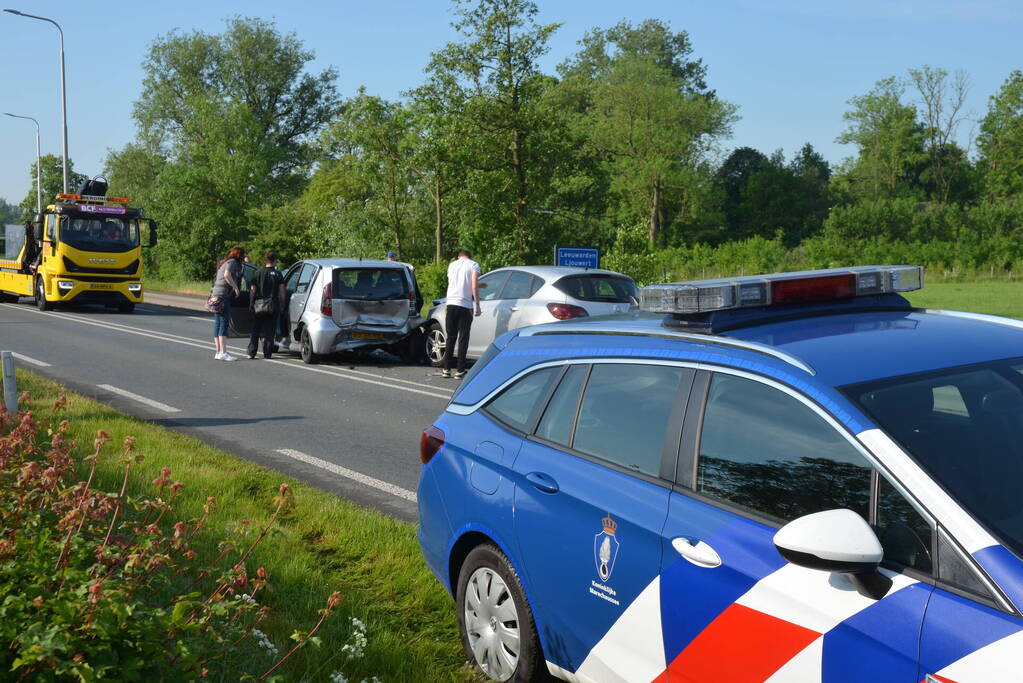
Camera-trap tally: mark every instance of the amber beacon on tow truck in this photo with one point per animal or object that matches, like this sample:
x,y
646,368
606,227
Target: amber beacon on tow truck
x,y
83,248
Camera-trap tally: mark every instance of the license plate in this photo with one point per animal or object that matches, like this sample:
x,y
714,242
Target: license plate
x,y
367,335
93,285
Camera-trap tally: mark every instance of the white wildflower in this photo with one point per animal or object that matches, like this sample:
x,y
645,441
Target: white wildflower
x,y
356,645
264,641
337,677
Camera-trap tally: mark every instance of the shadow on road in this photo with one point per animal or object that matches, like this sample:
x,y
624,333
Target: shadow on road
x,y
219,421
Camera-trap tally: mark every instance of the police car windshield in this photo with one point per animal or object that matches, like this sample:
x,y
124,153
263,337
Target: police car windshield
x,y
95,233
965,427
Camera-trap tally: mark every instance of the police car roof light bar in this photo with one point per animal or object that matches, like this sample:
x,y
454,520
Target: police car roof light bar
x,y
702,296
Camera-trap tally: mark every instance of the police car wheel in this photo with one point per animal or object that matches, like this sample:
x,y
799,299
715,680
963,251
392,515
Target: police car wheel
x,y
496,625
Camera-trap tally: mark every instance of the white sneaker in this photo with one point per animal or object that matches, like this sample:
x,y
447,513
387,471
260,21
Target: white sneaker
x,y
218,356
228,356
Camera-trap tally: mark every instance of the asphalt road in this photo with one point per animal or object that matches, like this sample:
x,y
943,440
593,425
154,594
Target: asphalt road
x,y
350,427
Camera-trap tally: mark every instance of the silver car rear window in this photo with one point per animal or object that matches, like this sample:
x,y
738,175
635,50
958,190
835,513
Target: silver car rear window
x,y
370,284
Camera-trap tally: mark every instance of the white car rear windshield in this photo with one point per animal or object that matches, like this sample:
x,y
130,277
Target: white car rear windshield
x,y
619,290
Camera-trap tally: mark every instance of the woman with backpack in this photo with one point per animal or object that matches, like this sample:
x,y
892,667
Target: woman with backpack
x,y
226,283
265,296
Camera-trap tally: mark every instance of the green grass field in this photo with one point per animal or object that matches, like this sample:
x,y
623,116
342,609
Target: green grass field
x,y
323,544
996,297
178,286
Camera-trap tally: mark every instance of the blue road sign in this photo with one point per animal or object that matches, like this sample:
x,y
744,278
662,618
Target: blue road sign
x,y
577,257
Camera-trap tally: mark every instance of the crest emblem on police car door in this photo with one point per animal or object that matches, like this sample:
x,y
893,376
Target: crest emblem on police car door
x,y
605,548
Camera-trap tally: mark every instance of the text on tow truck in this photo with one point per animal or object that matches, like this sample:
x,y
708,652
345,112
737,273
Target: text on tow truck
x,y
83,248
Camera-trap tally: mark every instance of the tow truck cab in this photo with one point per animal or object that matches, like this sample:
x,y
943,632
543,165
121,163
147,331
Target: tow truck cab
x,y
83,248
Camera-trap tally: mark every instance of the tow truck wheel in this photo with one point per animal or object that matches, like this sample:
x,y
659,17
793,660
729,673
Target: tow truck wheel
x,y
41,301
126,308
306,349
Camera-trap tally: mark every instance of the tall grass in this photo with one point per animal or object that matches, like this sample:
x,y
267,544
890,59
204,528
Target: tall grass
x,y
320,545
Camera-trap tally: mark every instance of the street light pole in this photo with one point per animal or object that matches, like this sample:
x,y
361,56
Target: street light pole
x,y
63,93
39,186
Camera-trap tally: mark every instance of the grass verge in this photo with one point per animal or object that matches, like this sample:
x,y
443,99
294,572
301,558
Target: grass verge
x,y
200,287
321,545
996,297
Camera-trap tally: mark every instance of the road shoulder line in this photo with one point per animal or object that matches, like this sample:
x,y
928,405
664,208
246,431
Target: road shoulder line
x,y
363,479
141,399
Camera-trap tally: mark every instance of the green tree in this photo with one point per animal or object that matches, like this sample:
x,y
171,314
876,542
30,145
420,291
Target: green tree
x,y
644,109
942,107
492,79
889,142
10,213
233,116
52,178
1001,140
377,140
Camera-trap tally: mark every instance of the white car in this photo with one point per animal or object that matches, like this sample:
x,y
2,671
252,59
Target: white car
x,y
530,295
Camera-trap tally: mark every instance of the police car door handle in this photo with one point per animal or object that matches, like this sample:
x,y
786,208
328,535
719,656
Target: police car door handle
x,y
542,481
696,552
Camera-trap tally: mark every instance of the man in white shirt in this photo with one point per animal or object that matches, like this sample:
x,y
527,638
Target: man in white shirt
x,y
463,297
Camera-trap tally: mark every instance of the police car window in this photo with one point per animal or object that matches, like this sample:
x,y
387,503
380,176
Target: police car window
x,y
977,457
907,538
490,285
518,405
625,413
954,570
763,450
557,421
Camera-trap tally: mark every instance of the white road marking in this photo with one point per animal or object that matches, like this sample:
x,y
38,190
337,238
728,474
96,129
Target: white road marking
x,y
207,319
349,474
141,399
30,361
352,375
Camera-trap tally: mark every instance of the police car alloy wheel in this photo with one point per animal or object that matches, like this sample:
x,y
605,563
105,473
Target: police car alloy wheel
x,y
497,628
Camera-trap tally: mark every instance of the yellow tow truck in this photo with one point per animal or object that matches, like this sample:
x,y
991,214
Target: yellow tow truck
x,y
83,248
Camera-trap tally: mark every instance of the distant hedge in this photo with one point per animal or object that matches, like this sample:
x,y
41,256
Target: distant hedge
x,y
951,242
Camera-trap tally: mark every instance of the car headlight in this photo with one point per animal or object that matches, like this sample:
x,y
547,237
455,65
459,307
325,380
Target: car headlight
x,y
135,287
65,284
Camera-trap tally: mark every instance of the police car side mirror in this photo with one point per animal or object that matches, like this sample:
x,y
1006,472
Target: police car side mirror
x,y
837,541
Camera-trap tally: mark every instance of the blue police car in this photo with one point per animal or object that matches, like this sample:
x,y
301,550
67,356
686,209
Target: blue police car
x,y
791,477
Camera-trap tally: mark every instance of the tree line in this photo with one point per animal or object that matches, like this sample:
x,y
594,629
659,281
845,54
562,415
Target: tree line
x,y
621,147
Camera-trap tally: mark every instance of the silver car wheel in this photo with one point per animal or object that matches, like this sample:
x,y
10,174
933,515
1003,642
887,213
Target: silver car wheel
x,y
492,624
436,341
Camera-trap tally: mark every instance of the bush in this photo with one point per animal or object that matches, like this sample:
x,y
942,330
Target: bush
x,y
97,585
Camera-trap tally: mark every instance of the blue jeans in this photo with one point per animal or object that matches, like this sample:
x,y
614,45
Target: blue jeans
x,y
220,320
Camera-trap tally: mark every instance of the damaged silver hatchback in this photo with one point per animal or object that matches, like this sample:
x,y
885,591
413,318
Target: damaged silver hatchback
x,y
345,304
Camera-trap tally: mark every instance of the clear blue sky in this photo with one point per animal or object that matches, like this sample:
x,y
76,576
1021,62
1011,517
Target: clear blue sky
x,y
790,65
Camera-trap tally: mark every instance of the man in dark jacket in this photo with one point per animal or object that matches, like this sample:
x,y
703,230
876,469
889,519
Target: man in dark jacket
x,y
266,293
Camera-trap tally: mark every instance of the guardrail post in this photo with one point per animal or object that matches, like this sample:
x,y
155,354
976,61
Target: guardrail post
x,y
10,388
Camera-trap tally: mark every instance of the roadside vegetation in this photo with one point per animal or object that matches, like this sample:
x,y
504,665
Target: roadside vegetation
x,y
240,142
310,559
